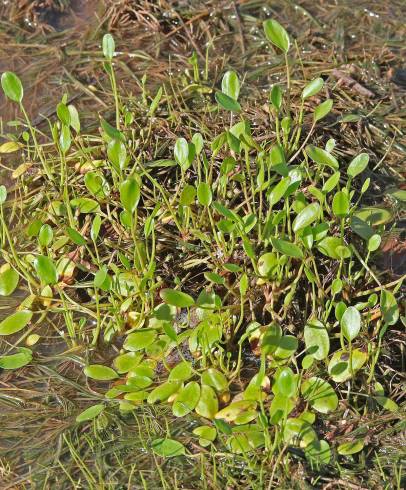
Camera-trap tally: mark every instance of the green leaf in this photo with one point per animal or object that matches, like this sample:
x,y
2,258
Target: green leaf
x,y
267,264
155,103
287,248
46,270
130,194
389,307
45,235
227,103
16,361
140,339
276,34
8,280
298,431
281,406
96,184
322,110
351,323
65,138
322,157
108,46
318,453
197,140
127,362
181,153
328,246
204,194
361,228
100,372
12,86
85,205
111,131
181,372
339,365
316,339
341,204
96,224
309,214
208,404
168,448
216,379
279,191
187,399
312,88
387,403
358,165
15,322
206,434
63,113
352,447
320,395
90,413
276,97
162,392
230,85
75,236
117,154
374,216
177,298
374,242
187,195
3,194
74,118
286,382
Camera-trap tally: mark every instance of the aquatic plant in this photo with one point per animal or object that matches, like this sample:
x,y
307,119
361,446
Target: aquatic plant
x,y
274,259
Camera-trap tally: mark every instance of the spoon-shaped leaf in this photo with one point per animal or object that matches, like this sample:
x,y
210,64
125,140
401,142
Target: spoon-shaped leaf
x,y
320,394
46,269
168,448
322,157
312,88
15,361
341,204
309,214
389,307
130,194
100,372
108,46
204,194
316,339
3,194
287,248
163,391
12,86
230,85
286,383
187,399
358,165
181,153
15,322
276,97
177,298
8,280
351,323
227,102
322,110
277,34
90,413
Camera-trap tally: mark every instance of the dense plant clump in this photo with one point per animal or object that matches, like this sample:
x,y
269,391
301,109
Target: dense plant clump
x,y
274,318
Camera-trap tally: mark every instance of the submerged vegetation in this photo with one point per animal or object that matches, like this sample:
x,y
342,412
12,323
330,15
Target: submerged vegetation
x,y
224,279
